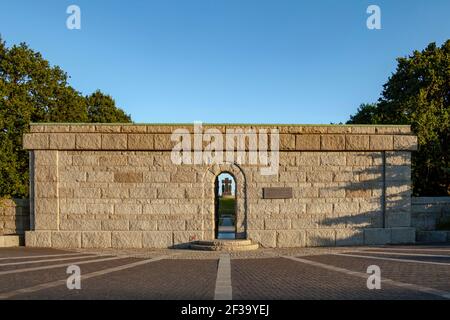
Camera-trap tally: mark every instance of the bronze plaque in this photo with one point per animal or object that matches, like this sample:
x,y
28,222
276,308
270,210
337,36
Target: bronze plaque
x,y
277,193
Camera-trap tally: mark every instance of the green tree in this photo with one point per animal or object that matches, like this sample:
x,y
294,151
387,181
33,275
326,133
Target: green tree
x,y
366,114
31,90
418,93
102,108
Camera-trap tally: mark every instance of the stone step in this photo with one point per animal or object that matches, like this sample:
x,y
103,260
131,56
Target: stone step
x,y
224,242
224,248
10,241
224,245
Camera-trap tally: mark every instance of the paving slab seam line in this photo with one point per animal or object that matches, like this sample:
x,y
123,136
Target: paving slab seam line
x,y
401,254
57,283
48,260
44,256
410,286
57,265
390,259
223,290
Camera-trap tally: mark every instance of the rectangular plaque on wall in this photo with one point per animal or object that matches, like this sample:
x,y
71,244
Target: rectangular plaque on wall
x,y
277,193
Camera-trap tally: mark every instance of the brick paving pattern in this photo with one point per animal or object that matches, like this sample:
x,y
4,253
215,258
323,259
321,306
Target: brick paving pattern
x,y
434,276
184,274
167,279
284,279
27,279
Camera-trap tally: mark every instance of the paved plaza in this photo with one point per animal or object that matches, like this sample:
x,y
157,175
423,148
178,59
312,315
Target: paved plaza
x,y
407,272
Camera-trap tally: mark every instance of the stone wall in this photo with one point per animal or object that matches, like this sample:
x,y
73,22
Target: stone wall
x,y
116,186
14,216
426,211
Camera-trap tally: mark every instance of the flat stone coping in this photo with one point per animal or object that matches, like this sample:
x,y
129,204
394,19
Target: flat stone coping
x,y
158,137
170,127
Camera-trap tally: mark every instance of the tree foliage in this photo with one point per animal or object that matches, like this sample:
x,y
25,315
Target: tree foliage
x,y
31,90
102,108
367,113
418,93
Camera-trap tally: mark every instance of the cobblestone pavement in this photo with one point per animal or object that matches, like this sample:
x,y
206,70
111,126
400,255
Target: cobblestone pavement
x,y
407,272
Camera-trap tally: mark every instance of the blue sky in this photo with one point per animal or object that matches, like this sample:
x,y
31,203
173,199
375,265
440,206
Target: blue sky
x,y
238,61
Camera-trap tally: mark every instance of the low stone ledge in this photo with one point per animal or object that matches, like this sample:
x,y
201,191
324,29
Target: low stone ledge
x,y
8,241
403,235
320,237
38,239
349,237
311,237
377,236
326,237
433,236
96,239
291,238
66,239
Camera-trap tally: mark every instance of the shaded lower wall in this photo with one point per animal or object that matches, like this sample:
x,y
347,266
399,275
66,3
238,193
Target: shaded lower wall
x,y
14,216
426,212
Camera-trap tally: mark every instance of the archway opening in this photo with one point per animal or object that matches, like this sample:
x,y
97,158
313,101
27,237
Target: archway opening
x,y
225,206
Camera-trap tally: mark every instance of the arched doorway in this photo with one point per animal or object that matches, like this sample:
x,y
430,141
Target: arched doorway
x,y
225,206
